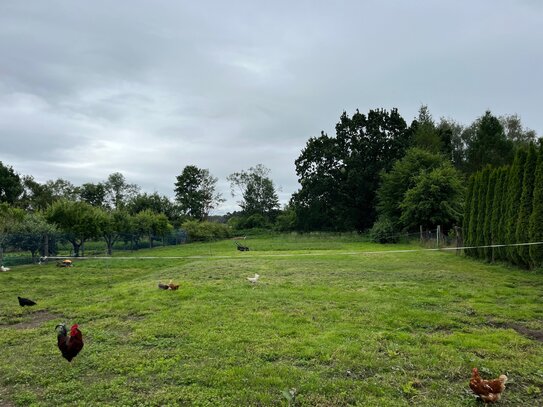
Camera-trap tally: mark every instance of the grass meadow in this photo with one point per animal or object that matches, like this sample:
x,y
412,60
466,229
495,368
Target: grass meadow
x,y
342,321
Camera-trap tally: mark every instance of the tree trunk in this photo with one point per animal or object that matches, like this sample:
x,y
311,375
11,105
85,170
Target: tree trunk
x,y
45,245
76,248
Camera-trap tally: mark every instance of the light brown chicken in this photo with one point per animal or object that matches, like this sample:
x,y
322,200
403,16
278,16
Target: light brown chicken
x,y
489,391
172,286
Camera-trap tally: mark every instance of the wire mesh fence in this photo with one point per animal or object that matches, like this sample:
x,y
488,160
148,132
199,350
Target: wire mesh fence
x,y
18,249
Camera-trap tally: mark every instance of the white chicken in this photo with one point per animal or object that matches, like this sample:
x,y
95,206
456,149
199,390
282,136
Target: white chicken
x,y
2,268
253,280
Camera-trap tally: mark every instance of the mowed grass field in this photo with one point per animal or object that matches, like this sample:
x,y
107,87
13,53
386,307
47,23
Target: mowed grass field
x,y
341,321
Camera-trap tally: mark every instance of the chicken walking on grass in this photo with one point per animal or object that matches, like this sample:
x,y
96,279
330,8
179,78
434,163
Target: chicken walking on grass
x,y
489,391
253,280
169,286
69,345
25,302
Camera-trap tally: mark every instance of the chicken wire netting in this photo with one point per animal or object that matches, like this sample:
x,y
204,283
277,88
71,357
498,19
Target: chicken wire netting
x,y
18,249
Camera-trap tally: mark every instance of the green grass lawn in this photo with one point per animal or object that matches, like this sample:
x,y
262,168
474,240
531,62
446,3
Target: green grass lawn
x,y
340,326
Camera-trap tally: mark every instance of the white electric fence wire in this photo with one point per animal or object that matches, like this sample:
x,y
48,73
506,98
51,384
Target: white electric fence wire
x,y
320,253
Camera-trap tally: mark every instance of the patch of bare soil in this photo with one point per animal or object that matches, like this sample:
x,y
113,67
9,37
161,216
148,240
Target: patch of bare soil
x,y
535,334
34,320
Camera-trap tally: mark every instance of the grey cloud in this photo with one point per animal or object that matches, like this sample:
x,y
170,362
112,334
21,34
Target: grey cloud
x,y
146,88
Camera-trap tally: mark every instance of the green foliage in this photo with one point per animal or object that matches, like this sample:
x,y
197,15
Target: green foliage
x,y
515,132
115,224
258,195
497,215
436,199
11,187
205,231
195,192
481,213
401,178
28,234
514,192
94,194
254,221
487,223
286,220
536,218
155,203
9,218
525,207
426,136
383,231
340,176
489,144
79,220
118,191
469,213
151,224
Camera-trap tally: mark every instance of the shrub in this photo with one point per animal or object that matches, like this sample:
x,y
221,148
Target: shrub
x,y
205,231
383,231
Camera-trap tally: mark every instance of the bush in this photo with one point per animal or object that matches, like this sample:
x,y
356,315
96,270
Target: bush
x,y
205,231
383,231
254,221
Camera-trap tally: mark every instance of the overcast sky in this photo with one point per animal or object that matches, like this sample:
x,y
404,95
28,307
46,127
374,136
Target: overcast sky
x,y
88,88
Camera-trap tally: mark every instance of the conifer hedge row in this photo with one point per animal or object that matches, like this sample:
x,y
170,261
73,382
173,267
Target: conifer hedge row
x,y
505,206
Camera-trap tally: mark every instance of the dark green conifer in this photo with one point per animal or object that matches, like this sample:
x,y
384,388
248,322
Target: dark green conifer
x,y
487,226
536,218
514,192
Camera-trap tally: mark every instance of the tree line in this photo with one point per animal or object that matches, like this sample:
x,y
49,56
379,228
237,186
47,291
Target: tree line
x,y
504,206
376,173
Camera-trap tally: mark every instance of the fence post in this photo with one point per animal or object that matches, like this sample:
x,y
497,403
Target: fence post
x,y
457,239
421,239
437,235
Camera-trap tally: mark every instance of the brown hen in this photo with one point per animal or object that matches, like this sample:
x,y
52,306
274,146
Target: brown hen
x,y
489,391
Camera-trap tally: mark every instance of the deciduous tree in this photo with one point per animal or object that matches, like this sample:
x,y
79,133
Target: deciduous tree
x,y
11,187
258,195
79,221
195,192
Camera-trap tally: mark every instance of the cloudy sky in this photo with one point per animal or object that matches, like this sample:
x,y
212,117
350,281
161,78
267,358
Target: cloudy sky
x,y
145,88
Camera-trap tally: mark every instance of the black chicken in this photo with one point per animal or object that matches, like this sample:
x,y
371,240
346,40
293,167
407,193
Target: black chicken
x,y
25,301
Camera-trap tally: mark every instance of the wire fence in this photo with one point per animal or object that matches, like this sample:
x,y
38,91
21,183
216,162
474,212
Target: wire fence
x,y
20,248
59,246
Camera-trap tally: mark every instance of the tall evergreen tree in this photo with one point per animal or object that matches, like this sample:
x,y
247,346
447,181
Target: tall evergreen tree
x,y
481,213
474,213
525,208
536,219
497,213
514,192
489,144
467,211
487,226
425,135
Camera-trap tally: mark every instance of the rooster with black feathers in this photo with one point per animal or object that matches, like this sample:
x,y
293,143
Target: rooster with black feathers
x,y
69,345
